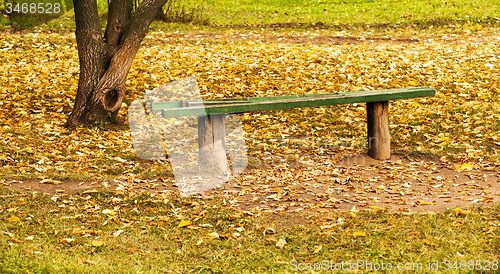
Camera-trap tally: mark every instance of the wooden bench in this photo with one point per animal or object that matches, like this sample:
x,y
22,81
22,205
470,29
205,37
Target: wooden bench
x,y
211,125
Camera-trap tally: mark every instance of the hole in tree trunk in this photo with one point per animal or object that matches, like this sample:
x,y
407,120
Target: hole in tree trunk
x,y
113,99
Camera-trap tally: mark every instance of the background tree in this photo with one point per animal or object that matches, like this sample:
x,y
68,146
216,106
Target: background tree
x,y
106,60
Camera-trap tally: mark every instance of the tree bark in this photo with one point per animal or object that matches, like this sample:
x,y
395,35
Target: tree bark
x,y
106,61
212,141
379,137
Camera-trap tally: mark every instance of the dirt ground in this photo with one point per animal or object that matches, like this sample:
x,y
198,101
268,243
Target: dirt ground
x,y
291,38
357,183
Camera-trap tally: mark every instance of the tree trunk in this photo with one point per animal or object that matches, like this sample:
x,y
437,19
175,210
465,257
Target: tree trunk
x,y
106,61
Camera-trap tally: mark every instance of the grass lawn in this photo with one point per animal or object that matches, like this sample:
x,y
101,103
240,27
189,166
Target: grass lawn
x,y
337,14
343,14
123,233
452,47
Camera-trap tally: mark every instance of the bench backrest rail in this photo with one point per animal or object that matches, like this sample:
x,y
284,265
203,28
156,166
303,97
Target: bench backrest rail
x,y
242,105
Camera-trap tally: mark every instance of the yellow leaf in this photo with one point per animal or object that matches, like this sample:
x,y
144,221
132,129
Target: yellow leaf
x,y
213,235
269,230
353,214
34,252
374,207
108,211
467,166
318,249
67,241
16,240
281,243
464,212
184,223
443,139
360,234
117,233
8,233
13,219
199,242
97,243
333,200
50,181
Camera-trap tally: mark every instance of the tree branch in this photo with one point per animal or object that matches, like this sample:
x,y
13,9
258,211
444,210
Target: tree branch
x,y
119,12
139,23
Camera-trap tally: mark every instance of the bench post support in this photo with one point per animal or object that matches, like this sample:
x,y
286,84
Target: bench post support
x,y
379,138
212,140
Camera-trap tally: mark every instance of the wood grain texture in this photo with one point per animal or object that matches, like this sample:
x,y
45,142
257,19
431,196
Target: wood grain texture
x,y
379,137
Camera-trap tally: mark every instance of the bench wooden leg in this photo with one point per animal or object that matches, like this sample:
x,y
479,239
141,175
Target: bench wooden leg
x,y
379,138
212,140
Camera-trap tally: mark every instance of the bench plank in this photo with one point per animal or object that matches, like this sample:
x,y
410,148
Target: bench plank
x,y
242,105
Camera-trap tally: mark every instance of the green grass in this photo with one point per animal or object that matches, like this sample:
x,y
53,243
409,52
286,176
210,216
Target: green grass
x,y
71,234
354,13
336,14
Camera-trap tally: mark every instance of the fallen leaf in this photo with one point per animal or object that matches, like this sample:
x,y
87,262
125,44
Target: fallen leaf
x,y
67,241
467,166
116,233
463,212
318,249
8,233
213,235
97,243
50,181
269,230
34,252
13,219
184,223
281,243
109,211
271,239
280,262
360,234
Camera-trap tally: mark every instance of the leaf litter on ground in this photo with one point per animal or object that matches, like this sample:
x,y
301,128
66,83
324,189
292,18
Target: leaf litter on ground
x,y
39,73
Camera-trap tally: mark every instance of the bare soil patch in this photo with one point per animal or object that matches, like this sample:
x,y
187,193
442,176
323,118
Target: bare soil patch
x,y
358,182
292,38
